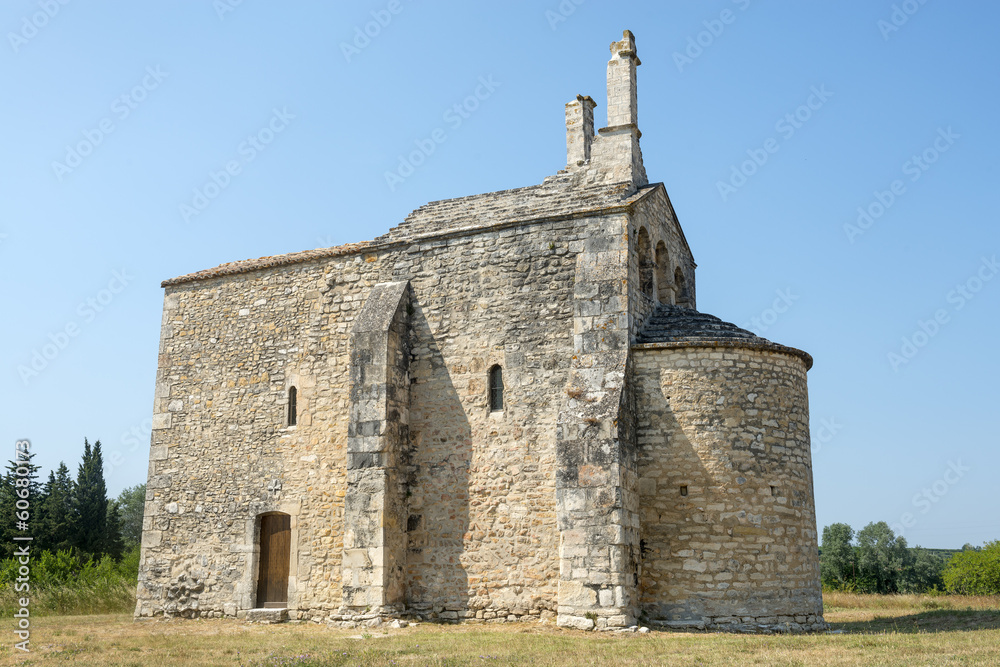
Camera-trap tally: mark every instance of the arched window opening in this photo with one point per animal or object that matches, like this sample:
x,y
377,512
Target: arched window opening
x,y
292,407
681,290
664,285
646,266
496,389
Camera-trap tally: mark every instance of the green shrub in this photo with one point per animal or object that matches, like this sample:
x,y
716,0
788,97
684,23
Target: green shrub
x,y
974,572
68,582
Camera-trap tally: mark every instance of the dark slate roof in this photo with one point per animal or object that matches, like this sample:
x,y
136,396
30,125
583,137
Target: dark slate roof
x,y
678,327
669,324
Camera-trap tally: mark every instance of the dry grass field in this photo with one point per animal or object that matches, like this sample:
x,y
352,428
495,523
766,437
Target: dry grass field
x,y
870,630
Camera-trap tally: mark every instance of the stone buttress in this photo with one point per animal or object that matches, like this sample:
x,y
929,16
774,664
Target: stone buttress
x,y
596,497
375,506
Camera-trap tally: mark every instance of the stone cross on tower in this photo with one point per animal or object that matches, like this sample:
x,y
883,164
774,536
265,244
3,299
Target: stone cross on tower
x,y
274,486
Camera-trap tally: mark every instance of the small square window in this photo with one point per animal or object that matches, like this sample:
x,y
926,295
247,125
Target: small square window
x,y
684,490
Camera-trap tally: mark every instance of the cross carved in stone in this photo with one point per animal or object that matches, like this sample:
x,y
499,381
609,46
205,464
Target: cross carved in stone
x,y
274,486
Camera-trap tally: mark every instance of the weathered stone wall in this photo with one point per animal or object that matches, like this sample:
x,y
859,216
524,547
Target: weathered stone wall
x,y
483,540
221,453
730,426
480,523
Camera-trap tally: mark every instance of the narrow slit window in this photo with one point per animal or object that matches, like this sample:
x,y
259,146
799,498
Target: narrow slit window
x,y
496,389
684,490
292,407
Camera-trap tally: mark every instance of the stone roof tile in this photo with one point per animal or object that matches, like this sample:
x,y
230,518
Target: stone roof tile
x,y
676,326
558,195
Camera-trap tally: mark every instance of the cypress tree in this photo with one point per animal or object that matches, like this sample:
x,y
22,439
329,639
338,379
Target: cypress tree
x,y
90,502
56,523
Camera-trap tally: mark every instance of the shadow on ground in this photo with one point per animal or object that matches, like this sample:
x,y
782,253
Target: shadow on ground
x,y
937,620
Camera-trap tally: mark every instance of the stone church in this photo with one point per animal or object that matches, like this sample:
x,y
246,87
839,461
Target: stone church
x,y
506,408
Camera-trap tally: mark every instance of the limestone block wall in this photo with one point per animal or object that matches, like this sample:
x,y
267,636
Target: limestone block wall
x,y
222,452
726,491
563,502
480,516
482,529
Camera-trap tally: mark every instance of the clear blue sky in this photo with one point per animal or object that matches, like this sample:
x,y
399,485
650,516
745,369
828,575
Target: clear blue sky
x,y
86,242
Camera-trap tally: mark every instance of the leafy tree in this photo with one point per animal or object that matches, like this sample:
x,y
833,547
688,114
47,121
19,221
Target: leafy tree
x,y
882,558
132,505
90,502
974,571
923,573
838,562
56,524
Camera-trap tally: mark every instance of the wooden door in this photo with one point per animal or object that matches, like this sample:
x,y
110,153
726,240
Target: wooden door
x,y
275,544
